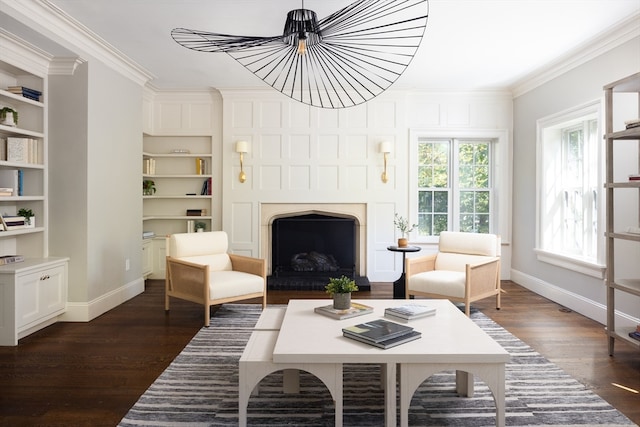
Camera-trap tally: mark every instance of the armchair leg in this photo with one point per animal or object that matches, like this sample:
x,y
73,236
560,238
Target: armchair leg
x,y
207,315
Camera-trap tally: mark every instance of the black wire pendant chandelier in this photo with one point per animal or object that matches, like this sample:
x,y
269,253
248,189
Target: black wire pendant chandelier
x,y
343,60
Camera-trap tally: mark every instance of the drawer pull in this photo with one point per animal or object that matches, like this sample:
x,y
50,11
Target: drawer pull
x,y
45,277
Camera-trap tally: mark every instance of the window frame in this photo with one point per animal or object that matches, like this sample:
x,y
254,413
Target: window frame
x,y
500,175
544,253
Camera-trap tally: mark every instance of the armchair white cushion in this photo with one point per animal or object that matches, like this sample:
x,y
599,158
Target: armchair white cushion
x,y
465,269
200,270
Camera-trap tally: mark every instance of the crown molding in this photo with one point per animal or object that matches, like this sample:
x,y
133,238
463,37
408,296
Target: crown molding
x,y
64,66
55,24
626,30
23,55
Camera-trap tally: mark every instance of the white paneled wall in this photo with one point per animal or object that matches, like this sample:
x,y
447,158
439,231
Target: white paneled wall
x,y
304,155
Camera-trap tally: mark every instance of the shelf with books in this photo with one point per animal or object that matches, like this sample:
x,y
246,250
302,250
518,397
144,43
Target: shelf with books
x,y
181,168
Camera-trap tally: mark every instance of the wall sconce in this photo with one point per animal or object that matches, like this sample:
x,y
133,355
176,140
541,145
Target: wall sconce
x,y
241,147
385,148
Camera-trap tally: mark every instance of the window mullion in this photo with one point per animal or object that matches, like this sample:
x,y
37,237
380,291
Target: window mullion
x,y
454,186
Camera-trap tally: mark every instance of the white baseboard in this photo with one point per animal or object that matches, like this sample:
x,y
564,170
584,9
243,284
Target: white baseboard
x,y
87,311
587,307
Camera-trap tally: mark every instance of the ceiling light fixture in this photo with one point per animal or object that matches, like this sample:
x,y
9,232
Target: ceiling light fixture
x,y
345,59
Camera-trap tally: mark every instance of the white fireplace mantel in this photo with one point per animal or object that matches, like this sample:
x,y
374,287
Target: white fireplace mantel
x,y
272,211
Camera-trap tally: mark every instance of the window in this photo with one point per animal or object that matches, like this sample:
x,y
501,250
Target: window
x,y
454,185
568,199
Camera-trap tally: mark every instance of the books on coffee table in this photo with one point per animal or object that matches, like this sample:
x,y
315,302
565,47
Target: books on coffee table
x,y
381,333
391,342
356,309
409,311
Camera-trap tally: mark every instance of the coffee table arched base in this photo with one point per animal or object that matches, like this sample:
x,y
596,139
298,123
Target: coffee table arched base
x,y
414,374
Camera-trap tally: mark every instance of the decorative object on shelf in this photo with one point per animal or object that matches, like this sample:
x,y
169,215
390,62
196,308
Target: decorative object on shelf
x,y
242,147
385,149
340,289
402,224
345,59
200,227
8,116
148,187
29,218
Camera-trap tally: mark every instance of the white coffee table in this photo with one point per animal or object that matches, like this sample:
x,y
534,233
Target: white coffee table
x,y
450,340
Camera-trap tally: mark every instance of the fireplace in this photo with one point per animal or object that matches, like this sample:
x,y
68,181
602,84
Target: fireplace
x,y
313,245
305,244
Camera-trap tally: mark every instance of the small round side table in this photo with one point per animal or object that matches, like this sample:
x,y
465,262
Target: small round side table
x,y
399,285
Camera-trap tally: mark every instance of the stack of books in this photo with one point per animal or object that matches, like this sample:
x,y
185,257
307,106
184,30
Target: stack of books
x,y
409,312
26,92
10,259
196,212
635,334
381,333
11,222
353,311
634,123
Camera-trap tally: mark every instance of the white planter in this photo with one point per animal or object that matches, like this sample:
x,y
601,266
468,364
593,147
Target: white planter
x,y
8,120
30,223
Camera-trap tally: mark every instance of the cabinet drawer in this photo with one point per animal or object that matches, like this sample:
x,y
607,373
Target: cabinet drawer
x,y
40,295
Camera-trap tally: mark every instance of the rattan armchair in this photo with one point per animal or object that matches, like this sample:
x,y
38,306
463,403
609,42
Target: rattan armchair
x,y
200,270
465,269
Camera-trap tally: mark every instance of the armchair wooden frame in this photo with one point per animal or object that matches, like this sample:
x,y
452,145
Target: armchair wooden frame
x,y
482,280
190,281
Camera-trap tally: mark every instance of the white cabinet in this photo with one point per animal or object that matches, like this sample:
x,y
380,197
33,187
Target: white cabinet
x,y
147,258
159,254
618,286
32,294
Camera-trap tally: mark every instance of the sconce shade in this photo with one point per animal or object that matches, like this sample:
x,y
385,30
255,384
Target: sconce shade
x,y
241,147
384,147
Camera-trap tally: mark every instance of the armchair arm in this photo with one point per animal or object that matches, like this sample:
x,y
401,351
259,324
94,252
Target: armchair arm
x,y
484,278
419,264
250,265
187,280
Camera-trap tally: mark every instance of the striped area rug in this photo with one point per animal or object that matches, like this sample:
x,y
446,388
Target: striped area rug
x,y
200,388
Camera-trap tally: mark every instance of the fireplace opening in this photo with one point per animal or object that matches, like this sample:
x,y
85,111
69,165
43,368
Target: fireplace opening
x,y
309,249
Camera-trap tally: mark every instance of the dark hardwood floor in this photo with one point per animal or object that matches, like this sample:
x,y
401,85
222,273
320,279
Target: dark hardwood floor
x,y
90,374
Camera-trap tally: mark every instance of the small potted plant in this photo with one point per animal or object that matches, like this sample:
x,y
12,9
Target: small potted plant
x,y
200,227
29,217
340,289
148,187
402,224
8,116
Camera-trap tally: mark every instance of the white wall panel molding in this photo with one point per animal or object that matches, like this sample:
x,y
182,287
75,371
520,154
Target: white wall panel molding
x,y
301,156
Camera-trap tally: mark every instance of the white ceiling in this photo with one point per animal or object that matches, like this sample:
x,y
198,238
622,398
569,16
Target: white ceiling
x,y
468,44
